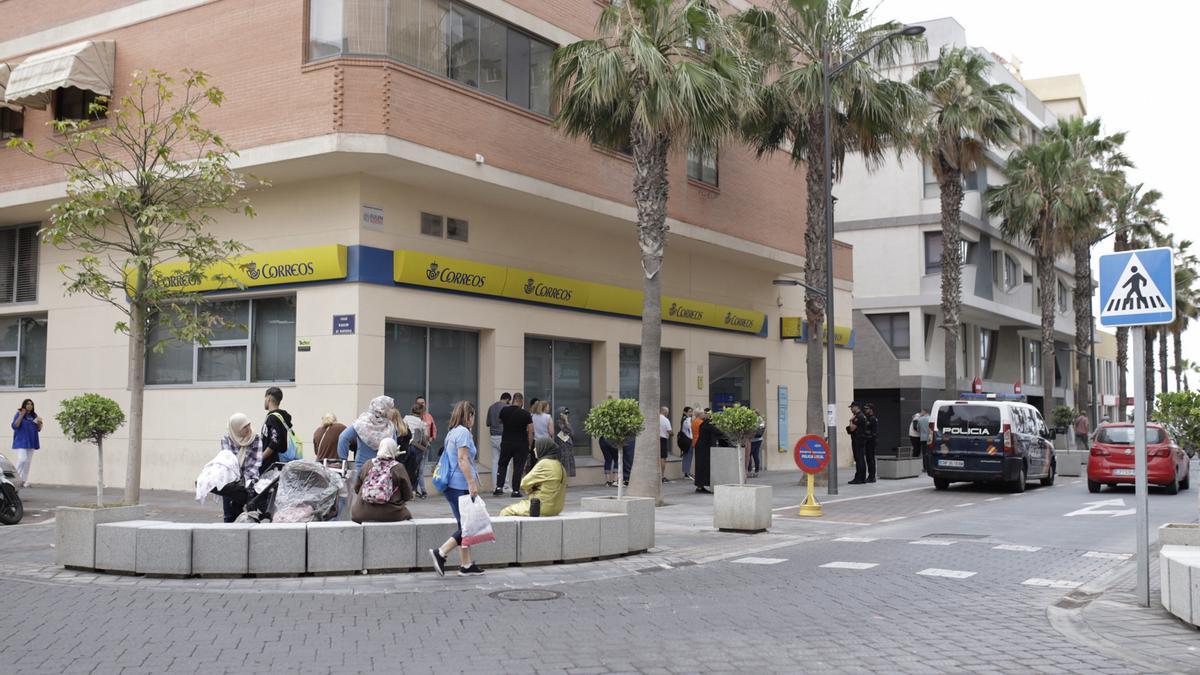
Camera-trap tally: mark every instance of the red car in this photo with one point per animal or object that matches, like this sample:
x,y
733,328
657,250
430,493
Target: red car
x,y
1111,460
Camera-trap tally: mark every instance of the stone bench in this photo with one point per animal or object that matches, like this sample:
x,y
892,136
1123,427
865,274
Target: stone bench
x,y
1179,570
604,527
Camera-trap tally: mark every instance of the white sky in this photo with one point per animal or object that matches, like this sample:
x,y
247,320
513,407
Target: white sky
x,y
1137,66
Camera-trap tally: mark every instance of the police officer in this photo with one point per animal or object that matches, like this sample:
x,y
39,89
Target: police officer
x,y
857,428
872,437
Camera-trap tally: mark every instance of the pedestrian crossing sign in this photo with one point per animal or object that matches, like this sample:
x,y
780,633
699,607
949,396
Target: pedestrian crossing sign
x,y
1137,288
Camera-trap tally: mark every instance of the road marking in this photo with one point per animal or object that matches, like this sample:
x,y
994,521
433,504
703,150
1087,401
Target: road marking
x,y
1076,482
959,506
1061,485
1095,509
850,499
925,513
993,499
857,540
1016,547
758,561
840,565
1051,583
933,542
949,574
1107,556
893,519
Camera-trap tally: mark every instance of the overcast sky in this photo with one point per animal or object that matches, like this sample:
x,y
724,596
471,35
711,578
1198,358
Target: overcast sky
x,y
1137,66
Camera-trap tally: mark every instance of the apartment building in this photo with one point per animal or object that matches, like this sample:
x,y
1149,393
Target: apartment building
x,y
892,217
426,231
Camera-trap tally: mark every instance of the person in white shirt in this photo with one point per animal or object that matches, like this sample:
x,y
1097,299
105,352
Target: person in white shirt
x,y
684,438
664,441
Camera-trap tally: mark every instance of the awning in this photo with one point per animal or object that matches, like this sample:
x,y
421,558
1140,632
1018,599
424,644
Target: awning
x,y
4,73
84,65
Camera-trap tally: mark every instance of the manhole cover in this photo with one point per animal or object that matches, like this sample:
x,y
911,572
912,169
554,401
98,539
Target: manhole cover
x,y
526,595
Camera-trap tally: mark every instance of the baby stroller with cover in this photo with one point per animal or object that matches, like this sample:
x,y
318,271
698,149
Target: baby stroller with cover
x,y
299,492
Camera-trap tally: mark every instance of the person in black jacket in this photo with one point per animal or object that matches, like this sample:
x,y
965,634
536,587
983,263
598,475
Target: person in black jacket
x,y
872,438
704,442
857,428
275,428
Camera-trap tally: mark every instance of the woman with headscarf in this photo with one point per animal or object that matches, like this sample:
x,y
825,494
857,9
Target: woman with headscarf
x,y
394,482
546,482
368,431
246,445
566,440
706,436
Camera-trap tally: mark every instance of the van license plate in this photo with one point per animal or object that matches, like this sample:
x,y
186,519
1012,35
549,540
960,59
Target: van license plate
x,y
1124,472
951,463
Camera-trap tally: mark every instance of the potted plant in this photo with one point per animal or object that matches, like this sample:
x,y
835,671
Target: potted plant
x,y
740,507
619,420
89,418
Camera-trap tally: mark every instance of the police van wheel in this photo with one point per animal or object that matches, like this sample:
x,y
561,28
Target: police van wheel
x,y
941,484
1049,480
1018,485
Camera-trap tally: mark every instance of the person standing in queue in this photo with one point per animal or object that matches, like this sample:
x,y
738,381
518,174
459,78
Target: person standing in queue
x,y
515,443
706,436
462,481
495,431
872,439
683,439
664,441
275,429
857,428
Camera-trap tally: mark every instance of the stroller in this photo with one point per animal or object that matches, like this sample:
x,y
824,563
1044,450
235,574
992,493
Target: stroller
x,y
296,492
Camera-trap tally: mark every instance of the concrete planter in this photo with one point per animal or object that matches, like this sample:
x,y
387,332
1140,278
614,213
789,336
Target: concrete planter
x,y
1071,463
723,466
1179,534
742,508
894,468
641,517
75,530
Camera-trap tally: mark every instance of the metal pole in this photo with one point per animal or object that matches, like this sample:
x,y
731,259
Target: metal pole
x,y
1139,464
831,369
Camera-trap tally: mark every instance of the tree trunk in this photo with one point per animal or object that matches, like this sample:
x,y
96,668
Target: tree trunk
x,y
1122,370
650,190
952,262
1045,272
1147,357
1177,338
814,276
1162,360
100,473
137,396
1082,300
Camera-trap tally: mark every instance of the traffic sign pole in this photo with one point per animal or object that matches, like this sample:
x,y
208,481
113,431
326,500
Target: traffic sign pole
x,y
810,507
1139,466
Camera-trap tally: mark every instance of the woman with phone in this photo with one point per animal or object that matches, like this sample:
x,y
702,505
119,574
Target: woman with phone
x,y
26,425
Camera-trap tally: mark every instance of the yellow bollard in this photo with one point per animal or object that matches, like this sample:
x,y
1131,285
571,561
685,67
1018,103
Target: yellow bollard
x,y
811,507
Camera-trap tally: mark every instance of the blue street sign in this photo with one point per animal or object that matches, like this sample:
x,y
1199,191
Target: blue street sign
x,y
1137,288
343,324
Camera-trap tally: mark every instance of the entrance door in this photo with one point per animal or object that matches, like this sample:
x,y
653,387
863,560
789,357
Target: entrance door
x,y
560,371
729,381
440,364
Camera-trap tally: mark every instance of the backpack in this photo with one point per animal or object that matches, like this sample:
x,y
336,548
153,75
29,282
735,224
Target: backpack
x,y
441,473
295,448
377,487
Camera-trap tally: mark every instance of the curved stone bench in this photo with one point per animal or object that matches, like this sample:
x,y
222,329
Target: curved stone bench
x,y
605,527
1179,570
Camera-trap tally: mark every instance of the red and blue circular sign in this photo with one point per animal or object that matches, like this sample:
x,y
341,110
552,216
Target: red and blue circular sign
x,y
811,454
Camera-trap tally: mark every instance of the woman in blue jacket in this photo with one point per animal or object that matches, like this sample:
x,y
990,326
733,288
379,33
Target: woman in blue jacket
x,y
26,424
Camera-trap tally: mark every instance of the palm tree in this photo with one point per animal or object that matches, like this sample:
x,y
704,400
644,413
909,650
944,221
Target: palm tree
x,y
1044,198
967,114
869,114
661,74
1187,303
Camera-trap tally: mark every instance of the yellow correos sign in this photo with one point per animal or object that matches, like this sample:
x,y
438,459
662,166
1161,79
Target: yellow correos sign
x,y
268,268
434,271
796,328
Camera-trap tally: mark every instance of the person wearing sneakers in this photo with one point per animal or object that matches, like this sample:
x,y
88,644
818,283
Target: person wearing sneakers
x,y
462,481
664,441
515,443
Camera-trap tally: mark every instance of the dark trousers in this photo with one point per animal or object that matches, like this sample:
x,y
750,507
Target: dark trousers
x,y
610,455
869,451
232,509
518,454
860,458
915,441
627,461
754,462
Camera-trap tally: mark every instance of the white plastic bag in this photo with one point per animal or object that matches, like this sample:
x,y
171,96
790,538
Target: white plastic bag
x,y
476,523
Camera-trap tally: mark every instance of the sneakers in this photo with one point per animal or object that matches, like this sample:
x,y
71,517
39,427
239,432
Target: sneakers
x,y
688,476
609,483
626,483
498,492
871,479
665,480
515,495
472,571
439,561
703,490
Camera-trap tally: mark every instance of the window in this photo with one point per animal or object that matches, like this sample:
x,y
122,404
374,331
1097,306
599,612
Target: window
x,y
448,38
933,189
23,352
893,328
987,351
257,345
964,339
440,364
729,381
933,252
453,228
561,372
18,264
1033,362
431,224
1063,297
71,103
702,166
456,229
12,123
631,368
1006,270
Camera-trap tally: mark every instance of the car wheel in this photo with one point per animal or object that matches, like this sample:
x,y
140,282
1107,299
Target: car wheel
x,y
941,484
1172,488
1187,479
1049,480
1093,486
1018,485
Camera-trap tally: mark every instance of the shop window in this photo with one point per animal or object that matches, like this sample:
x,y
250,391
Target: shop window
x,y
22,352
438,363
561,372
893,328
729,381
18,264
257,344
702,167
630,372
12,123
72,103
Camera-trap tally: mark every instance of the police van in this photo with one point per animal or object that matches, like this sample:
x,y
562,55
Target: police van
x,y
991,438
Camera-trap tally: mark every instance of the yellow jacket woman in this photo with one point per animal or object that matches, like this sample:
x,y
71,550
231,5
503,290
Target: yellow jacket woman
x,y
547,482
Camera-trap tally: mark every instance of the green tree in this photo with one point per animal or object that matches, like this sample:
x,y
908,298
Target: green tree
x,y
662,75
739,423
618,420
142,189
1181,412
91,418
966,116
869,115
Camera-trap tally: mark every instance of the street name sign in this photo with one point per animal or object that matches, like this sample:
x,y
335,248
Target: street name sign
x,y
1137,288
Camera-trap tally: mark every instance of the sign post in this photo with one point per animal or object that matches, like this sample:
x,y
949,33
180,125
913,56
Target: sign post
x,y
812,456
1137,289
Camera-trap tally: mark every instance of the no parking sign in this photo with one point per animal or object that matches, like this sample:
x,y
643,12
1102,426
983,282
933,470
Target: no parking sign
x,y
811,454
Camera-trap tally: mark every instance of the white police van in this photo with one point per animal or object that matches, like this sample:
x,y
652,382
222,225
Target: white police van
x,y
992,438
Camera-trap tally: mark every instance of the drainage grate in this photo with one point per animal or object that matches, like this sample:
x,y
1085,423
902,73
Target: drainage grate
x,y
951,535
526,595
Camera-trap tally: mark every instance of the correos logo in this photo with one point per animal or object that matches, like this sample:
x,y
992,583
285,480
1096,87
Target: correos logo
x,y
449,276
280,271
732,319
680,312
540,290
252,270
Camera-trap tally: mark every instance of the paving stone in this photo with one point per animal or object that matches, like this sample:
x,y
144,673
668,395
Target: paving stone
x,y
165,549
221,548
335,546
278,548
539,539
116,545
390,546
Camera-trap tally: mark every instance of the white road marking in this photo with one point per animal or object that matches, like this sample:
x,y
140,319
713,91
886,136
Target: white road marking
x,y
1108,556
1076,482
857,540
924,513
1051,583
933,542
1096,509
893,519
993,499
949,574
850,499
840,565
1016,547
759,561
959,506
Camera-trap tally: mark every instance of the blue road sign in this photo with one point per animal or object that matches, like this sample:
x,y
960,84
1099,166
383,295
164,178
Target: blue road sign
x,y
1137,288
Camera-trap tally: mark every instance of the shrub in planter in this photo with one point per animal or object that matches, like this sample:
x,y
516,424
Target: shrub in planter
x,y
1062,417
739,424
91,418
618,420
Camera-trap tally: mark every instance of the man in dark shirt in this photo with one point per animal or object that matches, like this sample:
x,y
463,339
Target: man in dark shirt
x,y
516,440
275,428
496,430
858,441
871,440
